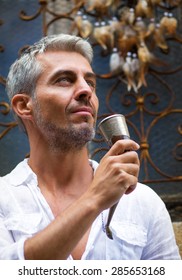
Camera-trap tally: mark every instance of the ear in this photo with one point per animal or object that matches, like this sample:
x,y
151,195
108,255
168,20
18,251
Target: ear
x,y
22,105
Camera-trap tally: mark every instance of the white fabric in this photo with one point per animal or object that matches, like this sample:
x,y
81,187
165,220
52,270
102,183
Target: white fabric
x,y
141,225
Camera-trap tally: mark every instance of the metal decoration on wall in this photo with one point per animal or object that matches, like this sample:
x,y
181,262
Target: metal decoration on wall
x,y
142,132
137,38
129,31
4,106
1,47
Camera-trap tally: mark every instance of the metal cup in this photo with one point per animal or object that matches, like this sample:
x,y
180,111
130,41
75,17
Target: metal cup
x,y
114,128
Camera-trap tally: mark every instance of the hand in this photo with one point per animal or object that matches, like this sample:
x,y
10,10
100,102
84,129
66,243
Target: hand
x,y
117,173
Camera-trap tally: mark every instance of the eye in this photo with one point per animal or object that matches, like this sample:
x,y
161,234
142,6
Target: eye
x,y
64,81
92,84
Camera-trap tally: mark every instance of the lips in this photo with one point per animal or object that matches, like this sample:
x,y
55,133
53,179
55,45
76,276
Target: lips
x,y
84,109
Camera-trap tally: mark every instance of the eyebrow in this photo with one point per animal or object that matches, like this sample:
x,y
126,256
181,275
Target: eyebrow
x,y
90,75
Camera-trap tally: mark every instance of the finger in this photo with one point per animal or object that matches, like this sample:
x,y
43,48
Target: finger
x,y
128,183
131,189
132,183
121,146
128,157
131,169
128,176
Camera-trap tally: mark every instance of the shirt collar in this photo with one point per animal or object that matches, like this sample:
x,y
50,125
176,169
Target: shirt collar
x,y
23,173
20,174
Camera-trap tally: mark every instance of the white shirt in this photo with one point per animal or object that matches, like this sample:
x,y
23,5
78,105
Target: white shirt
x,y
141,225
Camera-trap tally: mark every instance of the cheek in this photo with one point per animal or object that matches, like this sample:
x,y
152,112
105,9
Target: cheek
x,y
51,108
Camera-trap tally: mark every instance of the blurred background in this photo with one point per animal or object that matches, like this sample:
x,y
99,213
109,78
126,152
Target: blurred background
x,y
138,62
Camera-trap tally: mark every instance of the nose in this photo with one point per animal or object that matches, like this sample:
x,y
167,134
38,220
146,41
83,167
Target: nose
x,y
83,90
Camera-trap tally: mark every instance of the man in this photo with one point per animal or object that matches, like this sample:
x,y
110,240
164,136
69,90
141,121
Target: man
x,y
54,205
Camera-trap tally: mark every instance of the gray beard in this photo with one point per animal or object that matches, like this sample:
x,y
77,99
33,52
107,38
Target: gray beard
x,y
66,139
60,139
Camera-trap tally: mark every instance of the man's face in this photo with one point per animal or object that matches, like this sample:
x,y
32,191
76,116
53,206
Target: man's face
x,y
66,105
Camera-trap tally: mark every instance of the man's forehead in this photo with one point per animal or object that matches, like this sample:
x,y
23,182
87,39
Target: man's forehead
x,y
63,57
62,54
58,63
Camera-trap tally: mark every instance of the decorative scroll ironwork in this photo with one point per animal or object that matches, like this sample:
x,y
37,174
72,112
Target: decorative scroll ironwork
x,y
138,104
4,106
140,110
4,110
1,46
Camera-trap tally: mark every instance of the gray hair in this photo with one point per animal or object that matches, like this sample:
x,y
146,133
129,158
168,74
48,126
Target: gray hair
x,y
25,71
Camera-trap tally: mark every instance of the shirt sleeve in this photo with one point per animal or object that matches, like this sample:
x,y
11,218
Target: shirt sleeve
x,y
10,250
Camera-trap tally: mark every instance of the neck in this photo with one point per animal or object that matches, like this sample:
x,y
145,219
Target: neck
x,y
57,170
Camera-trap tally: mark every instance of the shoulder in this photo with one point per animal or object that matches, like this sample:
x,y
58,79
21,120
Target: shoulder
x,y
142,206
145,198
145,191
